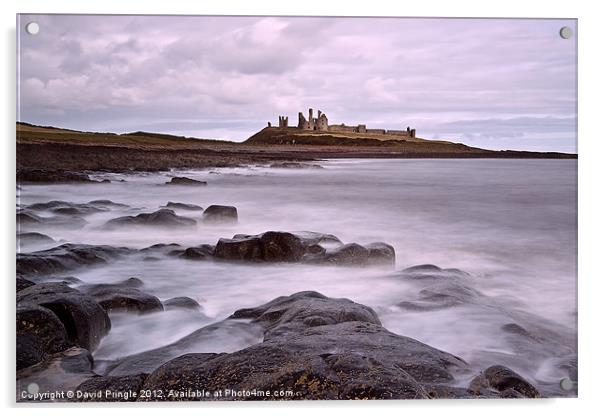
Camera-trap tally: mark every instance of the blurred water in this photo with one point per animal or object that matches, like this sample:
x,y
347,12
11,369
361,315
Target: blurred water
x,y
510,223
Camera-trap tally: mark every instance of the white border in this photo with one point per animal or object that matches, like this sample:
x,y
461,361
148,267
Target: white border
x,y
589,190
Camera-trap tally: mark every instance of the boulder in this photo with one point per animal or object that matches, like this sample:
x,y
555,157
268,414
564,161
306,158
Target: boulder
x,y
160,218
304,247
181,302
220,214
23,283
33,238
27,219
505,381
314,347
271,246
182,180
202,252
180,205
227,335
66,208
85,321
66,257
441,295
40,333
107,204
124,296
61,372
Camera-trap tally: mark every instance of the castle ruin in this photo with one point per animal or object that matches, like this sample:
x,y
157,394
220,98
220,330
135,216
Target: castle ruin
x,y
320,123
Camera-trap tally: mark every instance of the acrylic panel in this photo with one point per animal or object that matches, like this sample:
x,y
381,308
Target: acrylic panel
x,y
295,208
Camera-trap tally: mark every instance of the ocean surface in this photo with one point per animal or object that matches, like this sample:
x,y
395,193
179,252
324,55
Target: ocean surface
x,y
510,224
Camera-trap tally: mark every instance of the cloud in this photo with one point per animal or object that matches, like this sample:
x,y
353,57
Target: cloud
x,y
492,82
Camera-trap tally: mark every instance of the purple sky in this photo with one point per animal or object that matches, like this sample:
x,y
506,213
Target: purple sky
x,y
494,83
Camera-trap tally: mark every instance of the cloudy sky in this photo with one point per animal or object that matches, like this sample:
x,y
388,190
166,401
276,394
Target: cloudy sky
x,y
498,84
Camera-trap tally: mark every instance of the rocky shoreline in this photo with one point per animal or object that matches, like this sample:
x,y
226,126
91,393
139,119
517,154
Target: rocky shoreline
x,y
303,346
299,346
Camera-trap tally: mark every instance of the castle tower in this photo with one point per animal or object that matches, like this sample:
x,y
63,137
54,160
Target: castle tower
x,y
311,119
303,123
322,122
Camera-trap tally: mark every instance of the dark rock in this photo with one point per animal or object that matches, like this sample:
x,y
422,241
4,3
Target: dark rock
x,y
271,246
70,280
66,208
381,253
422,268
123,296
317,348
181,302
180,205
40,333
66,257
278,246
202,252
51,176
504,381
516,329
160,218
96,389
234,333
442,295
181,180
220,214
107,204
84,319
62,371
23,283
161,248
33,238
348,255
26,219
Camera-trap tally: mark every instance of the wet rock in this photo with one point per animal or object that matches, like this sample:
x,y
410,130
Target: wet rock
x,y
430,272
33,238
442,295
66,257
231,333
40,333
306,247
63,371
107,204
202,252
84,319
271,246
124,296
160,218
317,348
348,255
23,283
181,205
51,176
104,389
182,180
381,253
27,219
66,208
504,381
220,214
161,248
181,302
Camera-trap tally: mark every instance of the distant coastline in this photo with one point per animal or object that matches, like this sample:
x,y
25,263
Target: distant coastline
x,y
56,149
